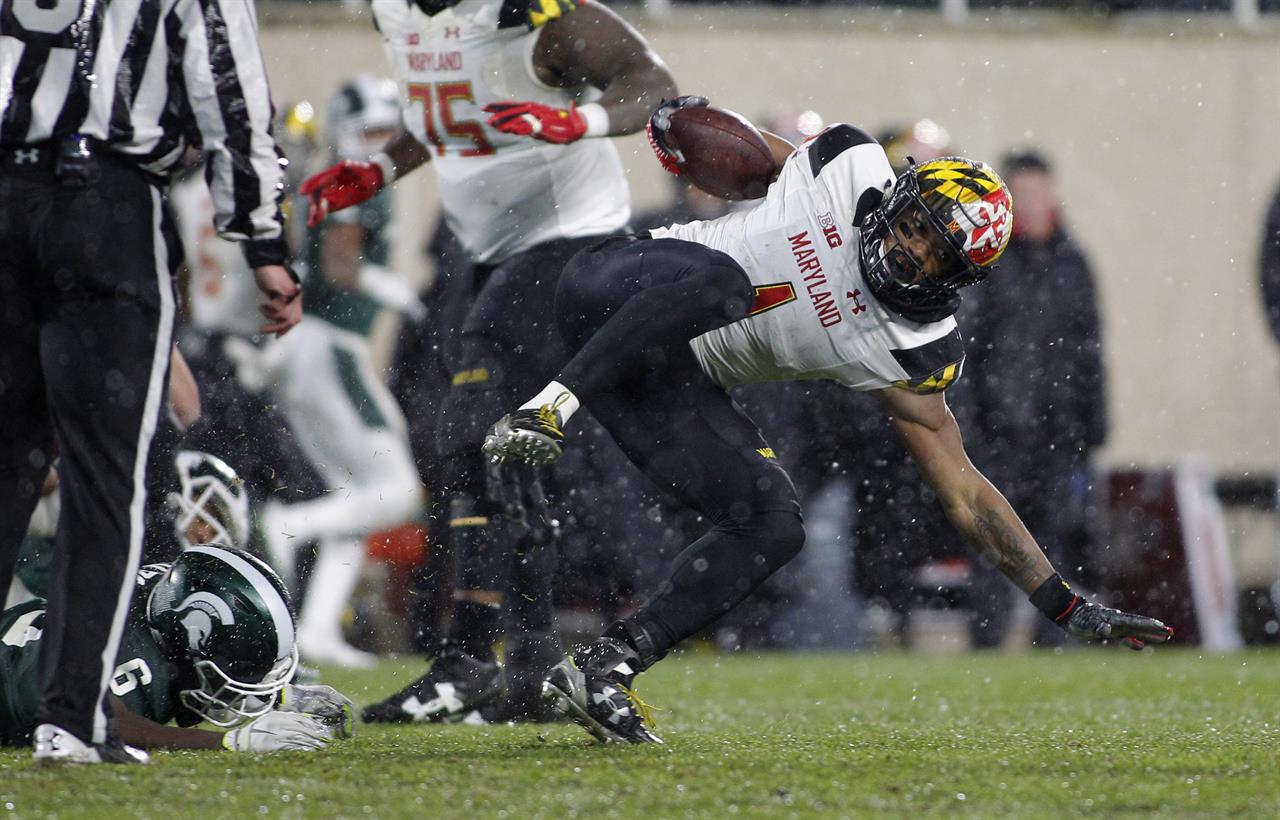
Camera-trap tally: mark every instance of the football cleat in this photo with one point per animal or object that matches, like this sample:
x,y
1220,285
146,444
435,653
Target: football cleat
x,y
456,685
594,689
55,746
531,435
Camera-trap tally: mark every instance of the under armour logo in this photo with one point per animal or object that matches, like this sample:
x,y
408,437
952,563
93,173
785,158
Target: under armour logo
x,y
29,156
452,31
858,307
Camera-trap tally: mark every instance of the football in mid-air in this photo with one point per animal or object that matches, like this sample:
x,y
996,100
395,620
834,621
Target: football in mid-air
x,y
724,154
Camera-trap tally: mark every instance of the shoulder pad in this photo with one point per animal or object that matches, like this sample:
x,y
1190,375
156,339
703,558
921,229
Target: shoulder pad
x,y
833,142
932,367
532,14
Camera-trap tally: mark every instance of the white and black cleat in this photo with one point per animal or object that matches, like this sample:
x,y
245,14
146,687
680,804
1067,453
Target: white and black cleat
x,y
593,688
455,686
531,436
55,746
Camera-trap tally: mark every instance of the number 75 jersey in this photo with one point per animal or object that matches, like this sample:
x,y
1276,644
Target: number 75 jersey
x,y
501,193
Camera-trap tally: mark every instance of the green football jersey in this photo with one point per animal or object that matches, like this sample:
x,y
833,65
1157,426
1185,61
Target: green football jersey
x,y
144,678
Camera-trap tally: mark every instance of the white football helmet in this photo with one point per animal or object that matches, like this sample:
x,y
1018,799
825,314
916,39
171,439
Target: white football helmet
x,y
363,104
212,493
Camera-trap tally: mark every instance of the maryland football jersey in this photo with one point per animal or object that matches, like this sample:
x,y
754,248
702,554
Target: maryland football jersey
x,y
814,316
143,677
501,193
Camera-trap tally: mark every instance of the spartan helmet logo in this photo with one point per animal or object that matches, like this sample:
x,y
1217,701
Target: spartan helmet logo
x,y
198,613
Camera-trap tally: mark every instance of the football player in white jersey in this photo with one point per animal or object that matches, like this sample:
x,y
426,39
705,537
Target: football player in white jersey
x,y
841,272
508,100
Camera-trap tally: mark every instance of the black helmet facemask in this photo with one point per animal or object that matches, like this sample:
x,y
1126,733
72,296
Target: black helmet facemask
x,y
894,277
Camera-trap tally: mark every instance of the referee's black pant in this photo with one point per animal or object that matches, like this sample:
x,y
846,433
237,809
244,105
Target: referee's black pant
x,y
86,323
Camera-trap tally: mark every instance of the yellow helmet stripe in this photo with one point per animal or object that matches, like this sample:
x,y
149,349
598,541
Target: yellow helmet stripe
x,y
957,181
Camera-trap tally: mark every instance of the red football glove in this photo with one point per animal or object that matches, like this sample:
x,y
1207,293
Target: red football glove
x,y
658,125
348,183
530,119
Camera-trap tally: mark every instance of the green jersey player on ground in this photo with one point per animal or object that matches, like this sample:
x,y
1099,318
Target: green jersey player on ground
x,y
209,638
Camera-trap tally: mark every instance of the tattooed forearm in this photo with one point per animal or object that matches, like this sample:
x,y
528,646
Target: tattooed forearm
x,y
997,540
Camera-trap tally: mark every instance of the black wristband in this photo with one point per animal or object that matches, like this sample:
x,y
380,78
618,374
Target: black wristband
x,y
1055,599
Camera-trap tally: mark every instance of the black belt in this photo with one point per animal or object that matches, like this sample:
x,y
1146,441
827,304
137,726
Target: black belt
x,y
42,158
37,157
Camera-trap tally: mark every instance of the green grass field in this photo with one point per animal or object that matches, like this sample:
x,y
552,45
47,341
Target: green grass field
x,y
1102,733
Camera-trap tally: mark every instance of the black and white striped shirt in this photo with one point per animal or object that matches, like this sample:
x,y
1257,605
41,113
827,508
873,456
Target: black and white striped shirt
x,y
146,77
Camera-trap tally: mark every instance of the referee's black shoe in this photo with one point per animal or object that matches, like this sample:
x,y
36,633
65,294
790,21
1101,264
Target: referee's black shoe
x,y
594,689
532,435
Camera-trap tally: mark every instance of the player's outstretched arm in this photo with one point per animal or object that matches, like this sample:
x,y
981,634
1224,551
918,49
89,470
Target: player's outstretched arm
x,y
985,518
277,731
135,730
590,46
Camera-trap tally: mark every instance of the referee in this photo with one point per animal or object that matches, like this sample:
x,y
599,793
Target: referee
x,y
98,101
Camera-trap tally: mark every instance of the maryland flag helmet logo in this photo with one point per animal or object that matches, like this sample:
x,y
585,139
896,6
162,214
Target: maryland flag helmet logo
x,y
966,212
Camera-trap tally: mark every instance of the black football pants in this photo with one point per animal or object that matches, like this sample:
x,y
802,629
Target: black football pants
x,y
629,308
86,321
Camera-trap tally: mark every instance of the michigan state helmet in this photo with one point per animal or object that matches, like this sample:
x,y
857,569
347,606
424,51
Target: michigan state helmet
x,y
364,104
225,614
211,493
963,209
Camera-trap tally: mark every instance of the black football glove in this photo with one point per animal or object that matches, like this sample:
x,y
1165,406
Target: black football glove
x,y
1092,622
660,122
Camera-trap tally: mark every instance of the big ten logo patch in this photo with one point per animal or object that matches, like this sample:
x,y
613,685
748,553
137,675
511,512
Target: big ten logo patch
x,y
829,229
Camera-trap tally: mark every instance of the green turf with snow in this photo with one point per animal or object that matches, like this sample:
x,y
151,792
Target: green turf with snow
x,y
1097,733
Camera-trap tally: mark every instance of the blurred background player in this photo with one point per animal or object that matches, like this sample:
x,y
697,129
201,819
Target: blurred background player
x,y
335,401
1036,397
219,338
509,102
322,440
235,676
